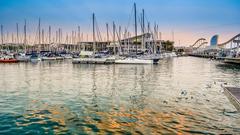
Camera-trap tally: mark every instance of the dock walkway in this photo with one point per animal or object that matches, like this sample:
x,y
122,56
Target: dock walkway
x,y
233,95
232,60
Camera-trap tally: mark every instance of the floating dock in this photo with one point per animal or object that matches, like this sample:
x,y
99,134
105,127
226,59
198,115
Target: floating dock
x,y
93,61
233,95
232,60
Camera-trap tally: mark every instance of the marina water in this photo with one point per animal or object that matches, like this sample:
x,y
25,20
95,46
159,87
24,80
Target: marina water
x,y
179,95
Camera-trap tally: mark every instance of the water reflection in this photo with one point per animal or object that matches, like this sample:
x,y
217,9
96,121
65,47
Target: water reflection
x,y
178,96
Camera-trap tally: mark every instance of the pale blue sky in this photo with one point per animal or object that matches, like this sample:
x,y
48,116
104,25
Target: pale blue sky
x,y
189,19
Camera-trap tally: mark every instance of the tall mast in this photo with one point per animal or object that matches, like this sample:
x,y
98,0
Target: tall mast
x,y
120,31
94,38
148,27
25,35
135,18
43,36
59,35
56,40
79,34
12,38
2,34
39,31
17,35
114,36
7,39
143,20
72,37
143,29
107,33
49,34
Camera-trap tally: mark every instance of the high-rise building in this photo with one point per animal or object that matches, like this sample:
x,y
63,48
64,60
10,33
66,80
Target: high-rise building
x,y
214,40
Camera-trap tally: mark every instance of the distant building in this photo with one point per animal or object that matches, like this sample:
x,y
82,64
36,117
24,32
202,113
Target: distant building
x,y
214,40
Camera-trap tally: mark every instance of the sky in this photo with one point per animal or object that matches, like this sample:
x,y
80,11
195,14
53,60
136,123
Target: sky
x,y
187,19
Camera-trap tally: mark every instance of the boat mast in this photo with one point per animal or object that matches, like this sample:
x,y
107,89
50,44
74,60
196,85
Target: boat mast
x,y
120,32
49,34
119,40
143,29
17,35
2,34
107,33
43,37
79,38
39,31
94,38
114,36
25,36
135,18
59,36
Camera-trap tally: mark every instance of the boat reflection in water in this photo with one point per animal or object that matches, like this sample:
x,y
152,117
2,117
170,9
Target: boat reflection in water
x,y
168,98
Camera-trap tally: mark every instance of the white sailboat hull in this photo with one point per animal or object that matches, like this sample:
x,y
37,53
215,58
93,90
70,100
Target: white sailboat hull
x,y
48,58
89,61
133,61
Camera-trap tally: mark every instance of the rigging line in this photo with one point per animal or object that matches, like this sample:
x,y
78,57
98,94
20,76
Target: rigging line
x,y
110,34
98,30
99,34
146,17
153,40
36,34
140,22
119,41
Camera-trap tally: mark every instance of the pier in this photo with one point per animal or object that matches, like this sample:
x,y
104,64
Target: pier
x,y
233,95
232,60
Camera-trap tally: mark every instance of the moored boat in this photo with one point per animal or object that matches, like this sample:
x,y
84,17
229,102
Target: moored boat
x,y
34,58
48,58
8,59
133,61
21,57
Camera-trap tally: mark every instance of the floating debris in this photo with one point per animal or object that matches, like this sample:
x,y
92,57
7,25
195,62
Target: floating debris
x,y
165,102
184,92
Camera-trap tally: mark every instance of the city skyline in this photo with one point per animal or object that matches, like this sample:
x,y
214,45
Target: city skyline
x,y
189,19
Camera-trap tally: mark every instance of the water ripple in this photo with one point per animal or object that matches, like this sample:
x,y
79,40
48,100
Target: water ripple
x,y
178,96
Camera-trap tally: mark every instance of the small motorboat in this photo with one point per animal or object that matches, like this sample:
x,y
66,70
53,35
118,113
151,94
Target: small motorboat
x,y
8,60
34,58
22,57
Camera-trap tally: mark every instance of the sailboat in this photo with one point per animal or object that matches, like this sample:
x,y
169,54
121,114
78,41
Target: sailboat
x,y
92,58
129,60
136,59
22,57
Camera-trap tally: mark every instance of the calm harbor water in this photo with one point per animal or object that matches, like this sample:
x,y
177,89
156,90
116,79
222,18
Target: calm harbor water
x,y
180,95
